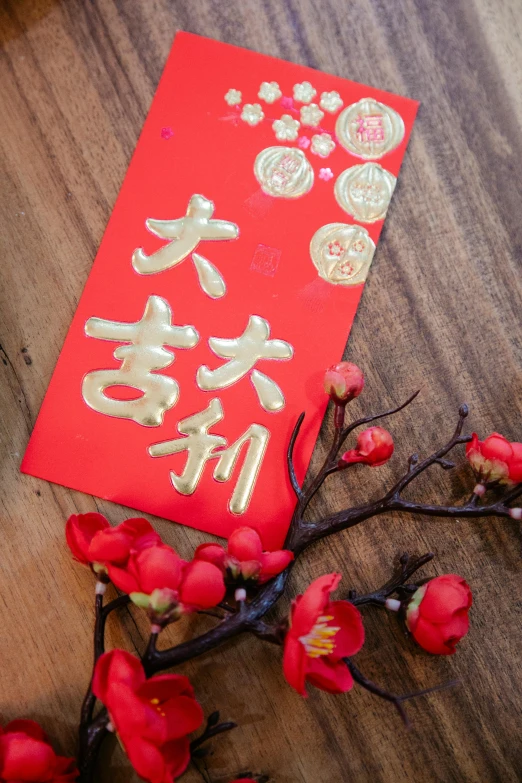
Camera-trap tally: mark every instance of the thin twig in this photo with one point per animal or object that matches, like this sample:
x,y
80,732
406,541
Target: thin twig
x,y
397,701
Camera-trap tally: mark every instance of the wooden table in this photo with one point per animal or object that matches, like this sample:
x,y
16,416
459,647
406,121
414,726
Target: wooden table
x,y
441,311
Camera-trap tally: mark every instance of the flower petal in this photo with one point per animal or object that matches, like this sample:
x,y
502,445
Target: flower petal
x,y
272,563
183,716
350,638
146,759
445,595
123,579
311,604
294,664
430,638
116,666
202,585
29,727
328,675
211,553
156,568
25,759
177,756
79,531
245,544
165,686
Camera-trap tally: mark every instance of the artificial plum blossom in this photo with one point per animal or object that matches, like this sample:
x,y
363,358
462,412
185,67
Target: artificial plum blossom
x,y
374,448
27,757
157,575
94,542
343,381
244,559
321,634
437,614
495,459
304,92
152,717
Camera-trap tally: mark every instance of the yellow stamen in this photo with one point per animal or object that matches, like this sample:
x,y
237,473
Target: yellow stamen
x,y
154,701
320,639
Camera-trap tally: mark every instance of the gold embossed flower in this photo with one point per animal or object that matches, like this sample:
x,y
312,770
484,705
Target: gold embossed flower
x,y
304,92
252,113
233,97
269,92
331,101
322,144
286,129
311,115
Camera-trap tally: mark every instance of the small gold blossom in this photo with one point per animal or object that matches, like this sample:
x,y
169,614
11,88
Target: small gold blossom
x,y
286,129
233,97
269,92
311,115
304,92
322,144
331,101
252,113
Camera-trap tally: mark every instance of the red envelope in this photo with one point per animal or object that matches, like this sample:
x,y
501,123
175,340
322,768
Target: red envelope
x,y
226,282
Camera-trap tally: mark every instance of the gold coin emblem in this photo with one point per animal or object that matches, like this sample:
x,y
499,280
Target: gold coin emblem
x,y
342,253
283,172
369,129
364,191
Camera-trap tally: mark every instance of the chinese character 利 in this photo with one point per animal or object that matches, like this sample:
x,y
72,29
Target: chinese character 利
x,y
243,353
202,446
146,352
185,234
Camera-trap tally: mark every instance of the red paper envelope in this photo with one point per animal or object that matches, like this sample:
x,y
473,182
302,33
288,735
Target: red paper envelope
x,y
226,282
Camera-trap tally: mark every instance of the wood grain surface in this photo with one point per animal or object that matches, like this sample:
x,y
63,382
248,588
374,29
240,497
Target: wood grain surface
x,y
441,311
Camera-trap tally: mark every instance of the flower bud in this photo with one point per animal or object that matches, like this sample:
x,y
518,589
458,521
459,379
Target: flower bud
x,y
374,448
343,382
437,614
495,459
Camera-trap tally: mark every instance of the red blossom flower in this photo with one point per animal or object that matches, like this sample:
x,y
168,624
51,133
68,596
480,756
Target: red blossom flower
x,y
27,757
495,459
244,559
94,542
158,574
153,718
343,382
374,448
437,615
321,634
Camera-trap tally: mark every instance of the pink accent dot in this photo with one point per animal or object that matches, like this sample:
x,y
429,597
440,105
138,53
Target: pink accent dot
x,y
287,103
325,174
167,133
303,142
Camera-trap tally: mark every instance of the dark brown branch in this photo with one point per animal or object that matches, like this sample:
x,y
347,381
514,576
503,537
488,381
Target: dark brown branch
x,y
397,701
375,417
290,457
407,567
212,729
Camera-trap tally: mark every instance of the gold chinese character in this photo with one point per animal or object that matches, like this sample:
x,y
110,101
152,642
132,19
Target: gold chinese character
x,y
145,353
186,233
243,353
201,446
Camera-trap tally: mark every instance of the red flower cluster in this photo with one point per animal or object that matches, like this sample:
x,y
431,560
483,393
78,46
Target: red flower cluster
x,y
374,447
437,615
153,718
244,560
133,556
27,757
343,382
321,634
495,459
